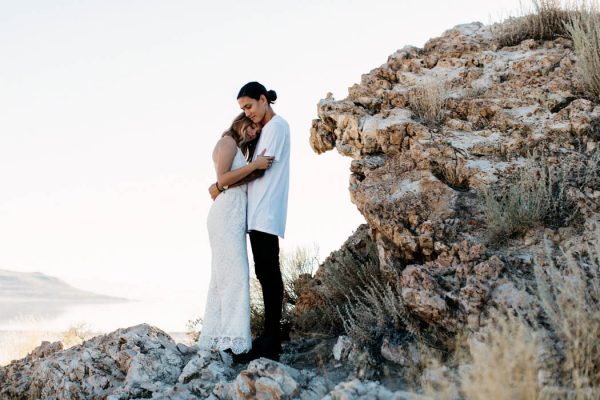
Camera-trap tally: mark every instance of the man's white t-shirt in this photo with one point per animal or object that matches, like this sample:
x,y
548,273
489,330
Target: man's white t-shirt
x,y
268,195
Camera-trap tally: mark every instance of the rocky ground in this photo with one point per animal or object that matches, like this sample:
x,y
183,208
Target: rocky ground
x,y
144,362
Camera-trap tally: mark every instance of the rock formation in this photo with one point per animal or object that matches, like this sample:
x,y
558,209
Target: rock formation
x,y
419,182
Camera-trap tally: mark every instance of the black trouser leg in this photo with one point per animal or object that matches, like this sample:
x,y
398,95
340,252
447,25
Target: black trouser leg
x,y
265,250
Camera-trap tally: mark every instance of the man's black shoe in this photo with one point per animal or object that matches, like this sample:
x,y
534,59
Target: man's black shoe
x,y
245,358
253,354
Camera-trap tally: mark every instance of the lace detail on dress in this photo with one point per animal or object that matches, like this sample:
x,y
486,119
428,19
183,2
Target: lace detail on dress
x,y
226,322
237,344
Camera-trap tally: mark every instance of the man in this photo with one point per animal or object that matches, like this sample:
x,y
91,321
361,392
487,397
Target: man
x,y
267,212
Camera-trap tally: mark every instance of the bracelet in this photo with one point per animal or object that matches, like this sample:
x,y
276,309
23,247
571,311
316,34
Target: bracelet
x,y
218,188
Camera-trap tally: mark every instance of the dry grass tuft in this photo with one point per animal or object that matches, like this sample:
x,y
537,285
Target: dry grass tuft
x,y
584,29
373,312
545,20
504,362
75,335
302,261
194,327
348,271
427,101
257,308
15,345
569,290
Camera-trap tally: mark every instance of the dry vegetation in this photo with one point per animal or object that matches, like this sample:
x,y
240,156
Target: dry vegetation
x,y
544,20
584,30
427,101
504,362
569,291
377,311
537,196
17,344
549,19
542,194
347,275
513,358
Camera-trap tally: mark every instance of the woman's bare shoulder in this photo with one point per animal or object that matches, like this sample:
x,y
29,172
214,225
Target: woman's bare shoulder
x,y
226,141
226,146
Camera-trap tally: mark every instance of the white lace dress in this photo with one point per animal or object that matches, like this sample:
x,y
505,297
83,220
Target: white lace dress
x,y
226,322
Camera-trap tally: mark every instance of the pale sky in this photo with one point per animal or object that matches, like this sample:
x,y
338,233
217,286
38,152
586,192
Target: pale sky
x,y
109,110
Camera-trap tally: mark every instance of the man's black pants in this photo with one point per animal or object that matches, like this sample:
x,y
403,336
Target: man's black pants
x,y
265,250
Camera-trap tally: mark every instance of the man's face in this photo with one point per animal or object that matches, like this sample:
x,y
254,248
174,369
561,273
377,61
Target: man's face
x,y
254,109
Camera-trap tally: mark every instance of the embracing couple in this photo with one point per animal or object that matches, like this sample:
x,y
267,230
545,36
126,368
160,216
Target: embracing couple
x,y
250,196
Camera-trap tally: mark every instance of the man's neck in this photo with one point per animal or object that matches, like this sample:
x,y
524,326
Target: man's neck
x,y
268,116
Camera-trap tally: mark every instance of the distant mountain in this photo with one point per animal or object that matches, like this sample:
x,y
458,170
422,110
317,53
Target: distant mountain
x,y
35,286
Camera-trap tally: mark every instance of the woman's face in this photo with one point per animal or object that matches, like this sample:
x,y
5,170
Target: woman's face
x,y
251,132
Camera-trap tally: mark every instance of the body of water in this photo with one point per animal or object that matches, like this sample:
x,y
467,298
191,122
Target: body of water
x,y
169,314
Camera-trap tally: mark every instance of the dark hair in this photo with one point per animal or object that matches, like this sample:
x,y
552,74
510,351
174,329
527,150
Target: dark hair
x,y
254,90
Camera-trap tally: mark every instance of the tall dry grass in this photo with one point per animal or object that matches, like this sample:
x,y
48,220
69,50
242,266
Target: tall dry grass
x,y
301,261
504,362
584,29
542,20
569,289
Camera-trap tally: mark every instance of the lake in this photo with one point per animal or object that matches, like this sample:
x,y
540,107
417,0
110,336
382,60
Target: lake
x,y
170,314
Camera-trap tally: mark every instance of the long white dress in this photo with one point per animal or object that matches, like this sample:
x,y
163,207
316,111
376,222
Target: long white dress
x,y
226,322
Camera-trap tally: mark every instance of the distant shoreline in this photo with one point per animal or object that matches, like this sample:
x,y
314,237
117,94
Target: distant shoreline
x,y
81,300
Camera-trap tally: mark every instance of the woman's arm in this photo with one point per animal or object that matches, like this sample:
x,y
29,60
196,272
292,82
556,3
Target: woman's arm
x,y
257,173
224,154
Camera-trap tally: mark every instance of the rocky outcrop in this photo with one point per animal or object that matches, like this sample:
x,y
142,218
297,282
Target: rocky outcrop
x,y
144,362
418,182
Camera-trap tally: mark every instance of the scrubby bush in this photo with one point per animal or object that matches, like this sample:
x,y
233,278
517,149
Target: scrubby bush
x,y
377,311
537,196
347,272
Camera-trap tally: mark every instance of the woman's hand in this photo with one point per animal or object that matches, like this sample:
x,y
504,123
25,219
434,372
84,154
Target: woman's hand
x,y
263,162
214,191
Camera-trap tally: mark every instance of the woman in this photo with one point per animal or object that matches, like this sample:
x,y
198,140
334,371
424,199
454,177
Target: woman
x,y
226,323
